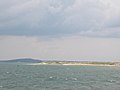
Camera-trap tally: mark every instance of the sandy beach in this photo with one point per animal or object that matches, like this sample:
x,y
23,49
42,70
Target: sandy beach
x,y
75,64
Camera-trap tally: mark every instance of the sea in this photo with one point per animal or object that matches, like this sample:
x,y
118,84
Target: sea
x,y
58,77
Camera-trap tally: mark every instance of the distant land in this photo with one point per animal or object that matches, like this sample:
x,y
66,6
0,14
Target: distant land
x,y
23,60
53,62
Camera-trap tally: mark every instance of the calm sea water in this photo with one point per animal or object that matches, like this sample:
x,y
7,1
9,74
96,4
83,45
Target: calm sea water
x,y
51,77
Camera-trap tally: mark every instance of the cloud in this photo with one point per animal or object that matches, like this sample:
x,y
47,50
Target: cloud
x,y
59,18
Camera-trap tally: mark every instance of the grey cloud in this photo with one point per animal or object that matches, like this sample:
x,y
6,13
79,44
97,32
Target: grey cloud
x,y
58,18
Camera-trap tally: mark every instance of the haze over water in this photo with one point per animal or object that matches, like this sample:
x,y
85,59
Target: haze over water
x,y
57,77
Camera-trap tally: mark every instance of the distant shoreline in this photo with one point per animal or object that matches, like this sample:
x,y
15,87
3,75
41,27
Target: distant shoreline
x,y
110,64
76,65
30,61
87,65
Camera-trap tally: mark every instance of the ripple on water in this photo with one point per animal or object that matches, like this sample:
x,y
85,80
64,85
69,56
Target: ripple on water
x,y
7,72
58,78
1,86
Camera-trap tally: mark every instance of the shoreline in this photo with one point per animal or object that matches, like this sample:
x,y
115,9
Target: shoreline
x,y
76,65
88,65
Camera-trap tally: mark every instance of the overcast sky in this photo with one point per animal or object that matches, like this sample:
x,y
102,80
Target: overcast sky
x,y
60,29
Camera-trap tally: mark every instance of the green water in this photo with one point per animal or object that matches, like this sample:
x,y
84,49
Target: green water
x,y
52,77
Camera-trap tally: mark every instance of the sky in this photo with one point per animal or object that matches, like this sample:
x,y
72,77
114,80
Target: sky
x,y
60,29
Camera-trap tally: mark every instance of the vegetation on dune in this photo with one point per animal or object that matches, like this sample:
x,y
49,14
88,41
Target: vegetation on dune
x,y
82,62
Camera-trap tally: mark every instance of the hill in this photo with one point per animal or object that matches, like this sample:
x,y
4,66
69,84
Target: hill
x,y
23,60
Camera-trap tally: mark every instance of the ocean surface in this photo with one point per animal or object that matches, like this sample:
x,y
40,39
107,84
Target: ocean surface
x,y
58,77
